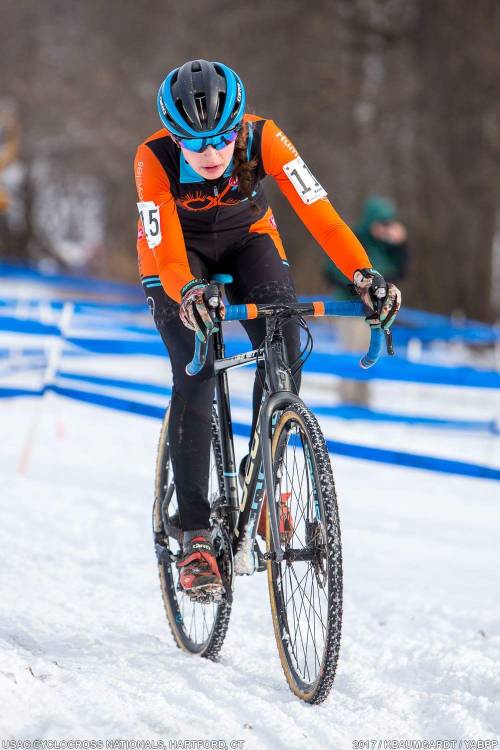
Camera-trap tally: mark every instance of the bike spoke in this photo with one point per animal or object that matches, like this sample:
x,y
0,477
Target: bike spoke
x,y
304,595
194,618
308,621
308,599
299,630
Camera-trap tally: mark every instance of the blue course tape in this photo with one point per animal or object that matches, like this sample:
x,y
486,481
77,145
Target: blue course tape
x,y
80,306
413,460
398,368
129,385
29,326
152,346
112,402
399,458
344,365
15,392
341,411
367,453
22,325
12,270
420,323
345,411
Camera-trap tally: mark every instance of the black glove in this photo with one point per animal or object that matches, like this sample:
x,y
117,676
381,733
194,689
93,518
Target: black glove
x,y
194,310
378,295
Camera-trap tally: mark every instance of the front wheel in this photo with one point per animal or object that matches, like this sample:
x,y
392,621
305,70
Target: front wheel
x,y
305,588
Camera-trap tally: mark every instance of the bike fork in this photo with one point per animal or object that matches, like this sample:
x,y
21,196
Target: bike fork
x,y
269,407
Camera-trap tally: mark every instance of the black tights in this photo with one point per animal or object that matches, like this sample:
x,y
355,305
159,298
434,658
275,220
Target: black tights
x,y
192,397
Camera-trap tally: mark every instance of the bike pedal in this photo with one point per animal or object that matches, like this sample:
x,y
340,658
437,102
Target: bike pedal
x,y
209,594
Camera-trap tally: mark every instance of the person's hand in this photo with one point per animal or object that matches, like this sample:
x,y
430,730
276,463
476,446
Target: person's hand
x,y
393,232
194,310
383,298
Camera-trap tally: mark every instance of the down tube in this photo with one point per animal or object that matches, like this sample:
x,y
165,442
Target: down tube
x,y
226,434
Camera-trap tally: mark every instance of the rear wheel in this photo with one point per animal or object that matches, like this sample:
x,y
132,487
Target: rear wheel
x,y
305,588
197,627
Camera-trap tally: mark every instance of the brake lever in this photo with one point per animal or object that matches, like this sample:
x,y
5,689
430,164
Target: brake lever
x,y
212,298
380,293
389,345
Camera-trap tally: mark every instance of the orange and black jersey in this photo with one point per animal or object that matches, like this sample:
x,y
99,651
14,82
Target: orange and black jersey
x,y
181,212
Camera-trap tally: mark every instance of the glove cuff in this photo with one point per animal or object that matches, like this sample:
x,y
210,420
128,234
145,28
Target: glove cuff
x,y
193,284
362,274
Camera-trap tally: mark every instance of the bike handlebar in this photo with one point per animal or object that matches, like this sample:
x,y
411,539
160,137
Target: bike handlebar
x,y
199,357
306,309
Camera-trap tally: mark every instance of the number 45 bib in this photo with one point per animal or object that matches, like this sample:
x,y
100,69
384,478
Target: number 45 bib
x,y
304,182
150,217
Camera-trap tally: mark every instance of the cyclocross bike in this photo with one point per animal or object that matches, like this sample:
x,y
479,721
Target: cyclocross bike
x,y
289,463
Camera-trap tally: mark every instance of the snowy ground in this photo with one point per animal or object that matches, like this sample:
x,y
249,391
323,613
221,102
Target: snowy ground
x,y
85,651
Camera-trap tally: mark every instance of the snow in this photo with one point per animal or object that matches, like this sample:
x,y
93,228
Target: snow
x,y
85,651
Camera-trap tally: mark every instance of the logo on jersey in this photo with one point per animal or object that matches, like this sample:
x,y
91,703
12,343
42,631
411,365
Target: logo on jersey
x,y
287,143
138,178
200,201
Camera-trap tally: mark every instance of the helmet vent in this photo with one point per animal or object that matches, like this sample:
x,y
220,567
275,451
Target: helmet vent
x,y
220,104
183,112
201,107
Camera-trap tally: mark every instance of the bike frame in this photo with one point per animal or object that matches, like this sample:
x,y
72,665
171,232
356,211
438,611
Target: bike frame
x,y
278,392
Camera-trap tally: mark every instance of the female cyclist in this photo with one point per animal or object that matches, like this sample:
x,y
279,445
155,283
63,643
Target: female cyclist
x,y
203,210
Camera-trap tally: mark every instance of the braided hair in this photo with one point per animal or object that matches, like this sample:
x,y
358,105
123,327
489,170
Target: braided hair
x,y
244,169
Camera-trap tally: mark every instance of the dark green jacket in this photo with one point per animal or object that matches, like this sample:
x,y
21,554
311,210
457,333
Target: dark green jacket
x,y
389,260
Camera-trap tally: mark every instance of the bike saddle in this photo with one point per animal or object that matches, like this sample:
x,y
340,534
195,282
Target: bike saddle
x,y
221,278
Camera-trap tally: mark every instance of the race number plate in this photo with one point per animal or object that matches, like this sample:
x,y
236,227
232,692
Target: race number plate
x,y
150,217
304,182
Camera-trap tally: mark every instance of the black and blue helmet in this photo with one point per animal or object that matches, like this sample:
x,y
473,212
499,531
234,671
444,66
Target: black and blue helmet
x,y
201,97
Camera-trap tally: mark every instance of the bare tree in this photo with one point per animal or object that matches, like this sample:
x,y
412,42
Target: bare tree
x,y
398,97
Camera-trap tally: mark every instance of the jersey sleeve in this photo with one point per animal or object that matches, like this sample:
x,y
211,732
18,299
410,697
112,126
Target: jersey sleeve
x,y
163,234
319,216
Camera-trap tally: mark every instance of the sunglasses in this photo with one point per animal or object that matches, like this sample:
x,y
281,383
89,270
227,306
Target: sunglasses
x,y
200,144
